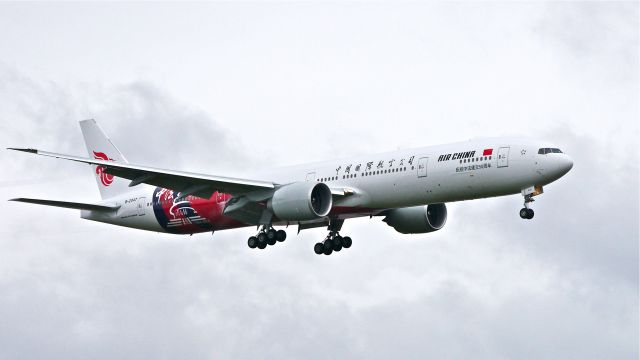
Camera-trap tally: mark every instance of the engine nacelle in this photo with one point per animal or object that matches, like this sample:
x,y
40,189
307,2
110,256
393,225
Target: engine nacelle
x,y
301,201
417,219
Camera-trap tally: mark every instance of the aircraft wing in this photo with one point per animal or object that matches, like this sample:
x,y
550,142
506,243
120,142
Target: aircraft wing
x,y
187,183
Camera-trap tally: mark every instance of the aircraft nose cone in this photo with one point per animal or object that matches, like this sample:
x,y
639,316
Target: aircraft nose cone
x,y
568,165
565,164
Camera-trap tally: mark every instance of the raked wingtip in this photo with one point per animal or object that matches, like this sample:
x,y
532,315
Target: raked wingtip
x,y
29,150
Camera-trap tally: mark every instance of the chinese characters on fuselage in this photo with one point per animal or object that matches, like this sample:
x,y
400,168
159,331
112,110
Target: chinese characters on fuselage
x,y
355,168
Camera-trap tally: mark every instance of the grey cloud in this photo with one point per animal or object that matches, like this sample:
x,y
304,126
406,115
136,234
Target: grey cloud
x,y
157,129
488,286
147,124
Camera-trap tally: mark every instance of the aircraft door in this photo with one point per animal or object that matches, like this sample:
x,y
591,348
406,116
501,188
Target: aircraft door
x,y
311,176
422,167
141,205
503,157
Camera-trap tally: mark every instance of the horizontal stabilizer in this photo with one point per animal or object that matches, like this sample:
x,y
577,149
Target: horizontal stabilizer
x,y
69,205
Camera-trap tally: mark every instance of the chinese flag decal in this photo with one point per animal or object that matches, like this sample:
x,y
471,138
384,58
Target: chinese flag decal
x,y
487,152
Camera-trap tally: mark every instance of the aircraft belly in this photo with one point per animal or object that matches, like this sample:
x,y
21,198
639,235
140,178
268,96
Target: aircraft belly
x,y
144,221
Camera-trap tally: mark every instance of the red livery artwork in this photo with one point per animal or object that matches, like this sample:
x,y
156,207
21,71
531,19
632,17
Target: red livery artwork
x,y
105,179
487,152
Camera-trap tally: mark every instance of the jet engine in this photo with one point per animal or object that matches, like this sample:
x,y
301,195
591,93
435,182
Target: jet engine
x,y
301,201
417,219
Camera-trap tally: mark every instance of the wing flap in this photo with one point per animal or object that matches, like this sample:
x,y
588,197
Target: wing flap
x,y
69,205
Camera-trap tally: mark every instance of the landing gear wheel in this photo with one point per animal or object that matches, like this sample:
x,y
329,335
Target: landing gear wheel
x,y
328,244
281,235
252,242
262,240
530,214
337,243
271,241
524,213
346,242
318,248
327,251
271,235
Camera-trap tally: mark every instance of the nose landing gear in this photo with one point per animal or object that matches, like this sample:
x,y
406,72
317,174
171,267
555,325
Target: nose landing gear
x,y
527,212
266,236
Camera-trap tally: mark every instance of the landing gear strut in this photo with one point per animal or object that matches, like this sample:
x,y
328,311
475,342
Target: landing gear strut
x,y
527,212
333,241
266,236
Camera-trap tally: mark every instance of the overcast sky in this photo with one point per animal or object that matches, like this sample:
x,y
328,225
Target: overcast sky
x,y
222,88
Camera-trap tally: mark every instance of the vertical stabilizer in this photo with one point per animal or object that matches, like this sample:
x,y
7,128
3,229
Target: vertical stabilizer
x,y
100,147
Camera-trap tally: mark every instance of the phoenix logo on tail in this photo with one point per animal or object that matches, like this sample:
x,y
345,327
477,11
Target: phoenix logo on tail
x,y
106,179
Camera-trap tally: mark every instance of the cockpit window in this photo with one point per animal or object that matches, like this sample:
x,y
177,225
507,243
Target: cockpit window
x,y
543,151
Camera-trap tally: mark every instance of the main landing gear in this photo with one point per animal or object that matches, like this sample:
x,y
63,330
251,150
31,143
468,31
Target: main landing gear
x,y
266,236
527,212
333,241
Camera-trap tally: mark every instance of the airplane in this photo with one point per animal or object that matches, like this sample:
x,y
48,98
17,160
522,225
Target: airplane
x,y
409,188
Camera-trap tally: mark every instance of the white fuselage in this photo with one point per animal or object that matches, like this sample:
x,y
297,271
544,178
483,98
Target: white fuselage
x,y
436,174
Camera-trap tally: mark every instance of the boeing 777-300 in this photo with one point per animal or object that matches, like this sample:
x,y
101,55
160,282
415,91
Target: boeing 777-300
x,y
408,188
